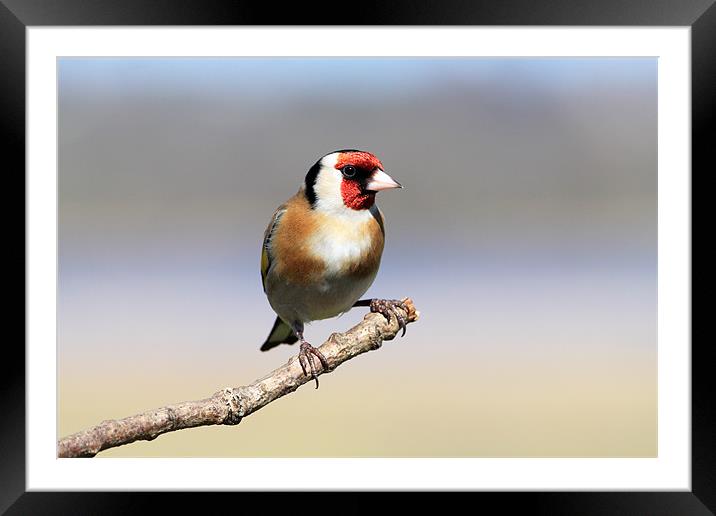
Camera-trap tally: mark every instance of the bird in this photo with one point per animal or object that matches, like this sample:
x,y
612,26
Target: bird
x,y
322,249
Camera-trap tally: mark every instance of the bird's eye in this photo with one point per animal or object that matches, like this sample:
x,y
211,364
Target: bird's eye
x,y
349,171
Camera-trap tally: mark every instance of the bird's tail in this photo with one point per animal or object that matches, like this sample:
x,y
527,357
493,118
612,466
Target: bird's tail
x,y
281,333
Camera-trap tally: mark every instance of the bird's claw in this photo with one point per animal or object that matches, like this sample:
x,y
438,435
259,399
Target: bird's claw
x,y
387,307
305,356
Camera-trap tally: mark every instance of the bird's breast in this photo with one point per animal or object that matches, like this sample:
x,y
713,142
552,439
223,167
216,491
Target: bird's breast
x,y
352,249
324,263
310,246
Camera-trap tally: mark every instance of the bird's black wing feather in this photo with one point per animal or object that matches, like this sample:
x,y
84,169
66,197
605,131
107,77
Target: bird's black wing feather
x,y
266,255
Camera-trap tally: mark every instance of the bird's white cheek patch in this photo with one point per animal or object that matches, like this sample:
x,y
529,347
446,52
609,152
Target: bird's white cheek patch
x,y
328,188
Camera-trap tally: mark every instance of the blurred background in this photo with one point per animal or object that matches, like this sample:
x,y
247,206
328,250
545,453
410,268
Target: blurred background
x,y
526,235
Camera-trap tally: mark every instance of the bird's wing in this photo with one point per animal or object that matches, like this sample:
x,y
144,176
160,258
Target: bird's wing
x,y
378,216
266,254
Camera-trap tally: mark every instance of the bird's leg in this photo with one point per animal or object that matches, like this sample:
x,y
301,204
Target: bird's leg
x,y
386,307
305,356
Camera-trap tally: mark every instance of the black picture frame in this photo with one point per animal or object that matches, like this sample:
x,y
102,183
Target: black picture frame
x,y
17,15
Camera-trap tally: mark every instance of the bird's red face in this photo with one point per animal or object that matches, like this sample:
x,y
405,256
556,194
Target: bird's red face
x,y
363,177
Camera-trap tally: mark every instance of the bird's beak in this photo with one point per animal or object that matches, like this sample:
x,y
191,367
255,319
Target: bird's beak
x,y
381,181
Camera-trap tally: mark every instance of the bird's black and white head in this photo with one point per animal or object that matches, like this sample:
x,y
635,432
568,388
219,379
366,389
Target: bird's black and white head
x,y
345,181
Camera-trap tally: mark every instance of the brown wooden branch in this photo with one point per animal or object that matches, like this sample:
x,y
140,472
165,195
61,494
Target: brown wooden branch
x,y
230,405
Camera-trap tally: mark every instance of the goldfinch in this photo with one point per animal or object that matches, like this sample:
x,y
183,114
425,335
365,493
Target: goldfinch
x,y
322,249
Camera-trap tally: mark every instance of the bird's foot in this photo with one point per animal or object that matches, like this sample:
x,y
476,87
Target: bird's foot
x,y
387,307
305,358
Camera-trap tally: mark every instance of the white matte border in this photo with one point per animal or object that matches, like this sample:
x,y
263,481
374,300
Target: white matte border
x,y
670,471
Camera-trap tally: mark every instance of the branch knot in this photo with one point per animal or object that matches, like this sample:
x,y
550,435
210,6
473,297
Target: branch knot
x,y
236,410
